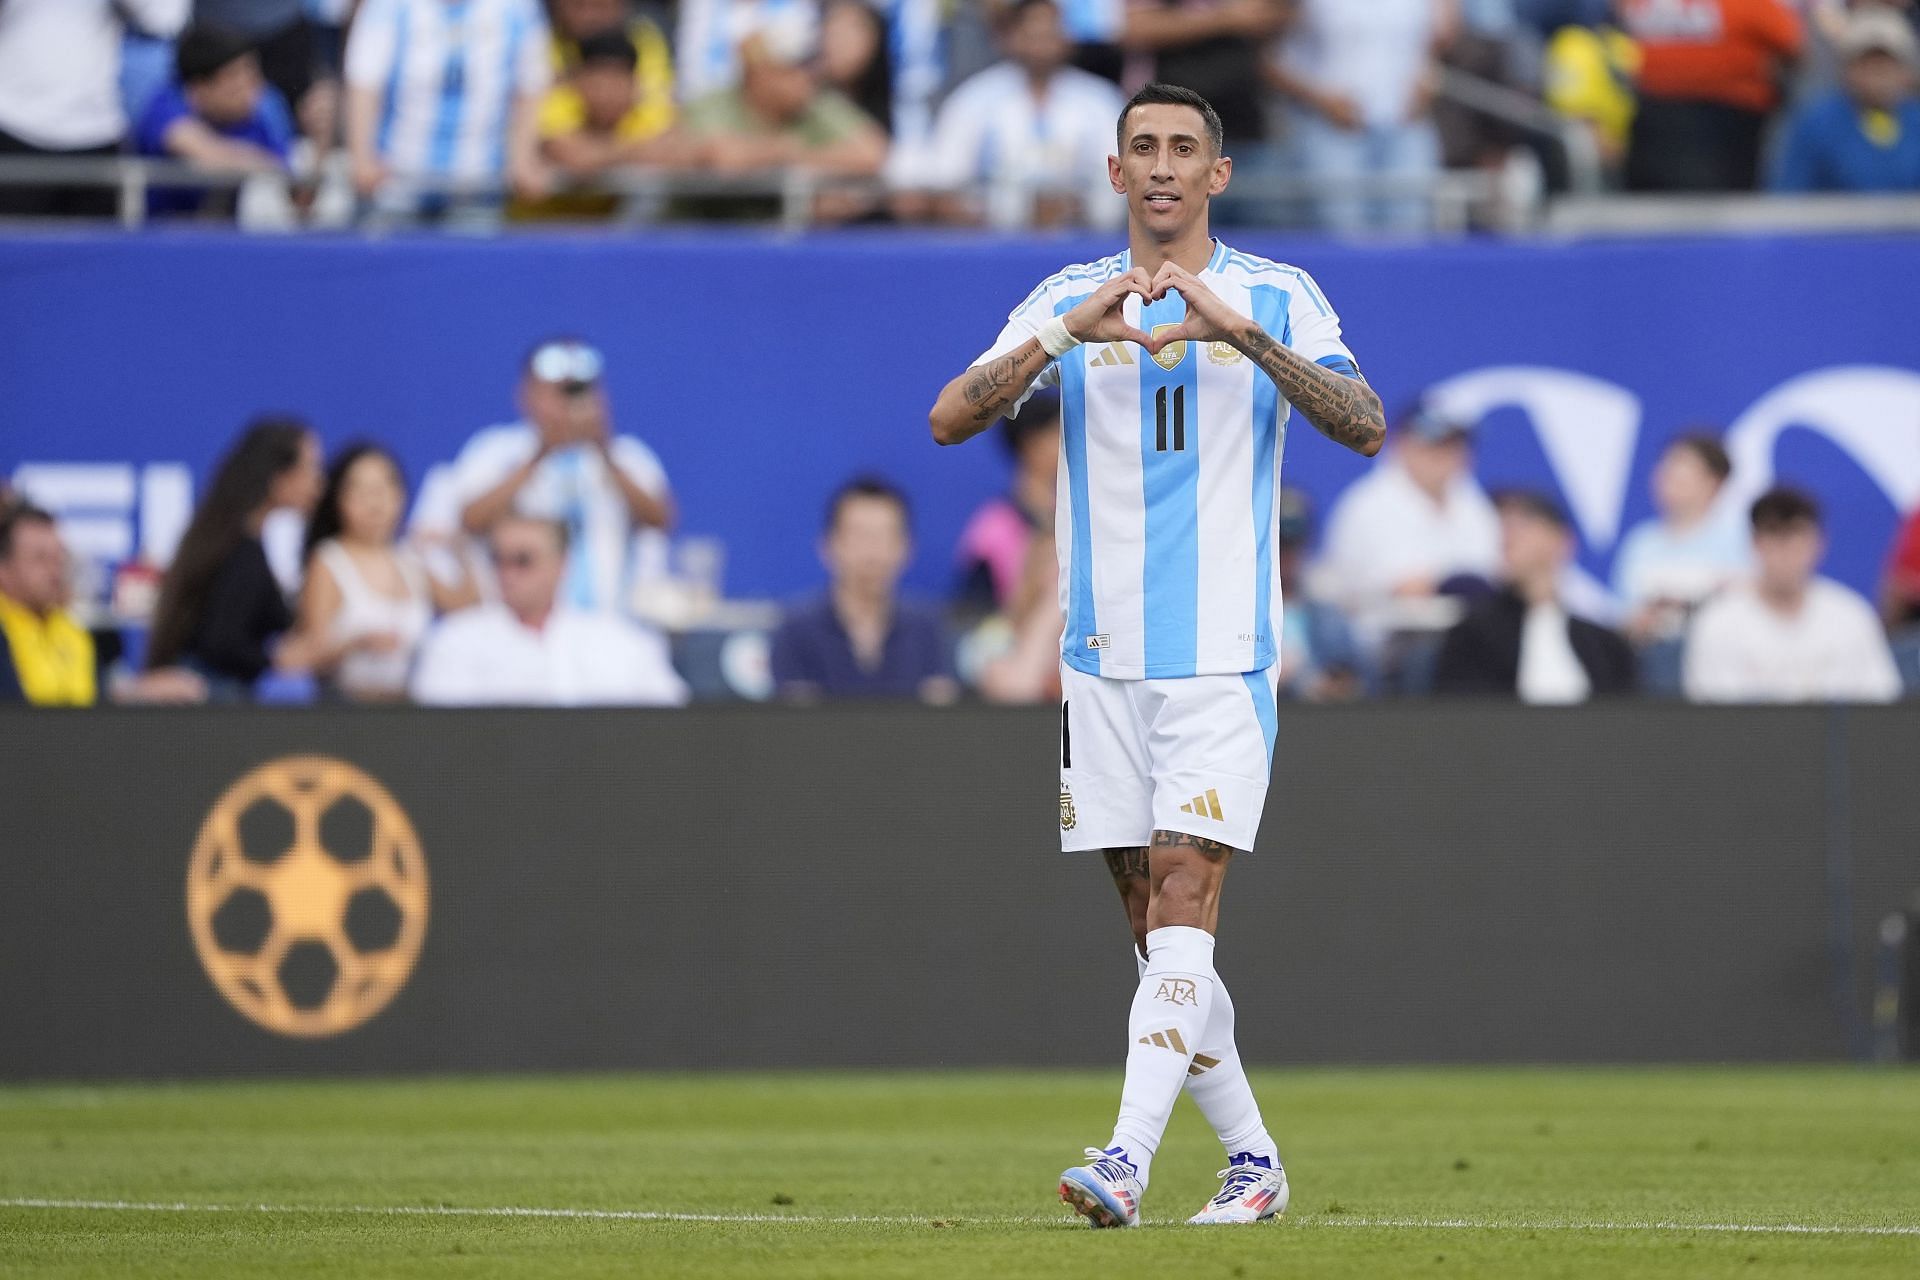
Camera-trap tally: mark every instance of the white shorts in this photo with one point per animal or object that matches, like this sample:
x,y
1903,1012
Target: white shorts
x,y
1137,756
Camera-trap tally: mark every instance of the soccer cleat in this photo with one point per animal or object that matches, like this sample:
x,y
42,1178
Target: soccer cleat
x,y
1254,1190
1105,1190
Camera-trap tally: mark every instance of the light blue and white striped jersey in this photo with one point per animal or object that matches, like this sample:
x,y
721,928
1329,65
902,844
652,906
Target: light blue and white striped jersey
x,y
1168,470
447,74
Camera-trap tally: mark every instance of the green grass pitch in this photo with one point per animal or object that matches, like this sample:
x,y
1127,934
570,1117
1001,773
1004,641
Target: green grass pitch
x,y
1413,1172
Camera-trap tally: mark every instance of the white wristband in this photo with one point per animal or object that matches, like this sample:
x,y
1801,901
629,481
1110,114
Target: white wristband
x,y
1054,338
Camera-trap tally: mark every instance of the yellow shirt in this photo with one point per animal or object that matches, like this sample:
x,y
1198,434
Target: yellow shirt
x,y
1589,76
53,656
562,112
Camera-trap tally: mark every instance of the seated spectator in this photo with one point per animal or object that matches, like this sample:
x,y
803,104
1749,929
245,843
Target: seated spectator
x,y
1790,636
595,122
577,20
1521,641
1415,521
562,461
443,104
780,117
1864,136
993,546
532,649
219,115
1668,565
1362,78
1710,73
366,601
46,656
221,610
1900,588
60,91
707,36
1320,661
861,639
853,57
1026,141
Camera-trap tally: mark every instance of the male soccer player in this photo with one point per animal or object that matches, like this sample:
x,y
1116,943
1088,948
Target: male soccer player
x,y
1177,361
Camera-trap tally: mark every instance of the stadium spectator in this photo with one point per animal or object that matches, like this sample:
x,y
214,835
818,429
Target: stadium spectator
x,y
709,34
366,601
1791,635
1522,641
860,639
782,118
1709,81
1026,141
1213,47
993,545
219,115
596,122
222,612
1320,660
1900,588
60,94
562,461
1416,521
532,649
576,21
853,57
1668,565
1025,636
1864,136
281,37
1362,78
46,656
443,105
1589,73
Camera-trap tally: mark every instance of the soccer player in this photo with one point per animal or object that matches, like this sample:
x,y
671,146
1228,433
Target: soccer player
x,y
1177,362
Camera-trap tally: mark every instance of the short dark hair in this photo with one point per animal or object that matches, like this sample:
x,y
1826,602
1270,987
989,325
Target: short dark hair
x,y
1173,95
608,46
868,486
562,534
1779,509
1533,503
205,50
1707,448
12,516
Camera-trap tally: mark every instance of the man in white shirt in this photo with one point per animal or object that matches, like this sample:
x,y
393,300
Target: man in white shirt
x,y
532,650
1399,533
562,462
1790,635
60,89
1026,141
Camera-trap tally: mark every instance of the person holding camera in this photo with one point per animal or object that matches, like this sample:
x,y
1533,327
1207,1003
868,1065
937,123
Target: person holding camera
x,y
563,462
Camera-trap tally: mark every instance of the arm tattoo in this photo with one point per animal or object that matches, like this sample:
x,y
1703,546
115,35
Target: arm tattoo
x,y
1213,849
1344,409
991,387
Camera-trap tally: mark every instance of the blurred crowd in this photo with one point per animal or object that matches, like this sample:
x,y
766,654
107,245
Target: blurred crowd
x,y
522,575
1338,112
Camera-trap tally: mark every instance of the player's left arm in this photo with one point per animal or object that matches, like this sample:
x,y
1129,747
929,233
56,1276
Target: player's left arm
x,y
1341,407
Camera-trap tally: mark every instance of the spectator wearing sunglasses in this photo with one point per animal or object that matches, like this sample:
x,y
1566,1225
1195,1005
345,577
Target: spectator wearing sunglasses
x,y
532,649
563,462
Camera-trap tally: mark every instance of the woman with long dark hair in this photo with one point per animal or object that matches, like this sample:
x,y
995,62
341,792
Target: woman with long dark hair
x,y
221,610
366,600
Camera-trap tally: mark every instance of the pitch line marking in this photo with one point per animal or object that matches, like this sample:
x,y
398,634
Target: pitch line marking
x,y
655,1215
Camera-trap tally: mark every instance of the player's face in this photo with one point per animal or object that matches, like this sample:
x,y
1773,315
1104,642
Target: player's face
x,y
1167,169
868,547
1786,558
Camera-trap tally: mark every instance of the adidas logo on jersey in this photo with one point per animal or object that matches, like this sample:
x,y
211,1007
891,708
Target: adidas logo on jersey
x,y
1206,806
1111,355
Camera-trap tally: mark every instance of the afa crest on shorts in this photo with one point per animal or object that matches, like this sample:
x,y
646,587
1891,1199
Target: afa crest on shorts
x,y
1068,818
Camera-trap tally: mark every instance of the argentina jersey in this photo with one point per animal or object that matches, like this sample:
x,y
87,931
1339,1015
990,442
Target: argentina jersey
x,y
1169,468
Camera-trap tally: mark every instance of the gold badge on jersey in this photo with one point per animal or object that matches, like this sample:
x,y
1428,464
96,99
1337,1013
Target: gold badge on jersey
x,y
1169,356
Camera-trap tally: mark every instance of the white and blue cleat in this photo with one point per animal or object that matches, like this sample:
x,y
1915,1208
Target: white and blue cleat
x,y
1105,1190
1254,1190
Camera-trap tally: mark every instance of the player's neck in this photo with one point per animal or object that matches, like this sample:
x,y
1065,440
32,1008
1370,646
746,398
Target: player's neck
x,y
1193,249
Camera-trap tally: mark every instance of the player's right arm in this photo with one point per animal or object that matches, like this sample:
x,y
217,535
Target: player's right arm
x,y
999,380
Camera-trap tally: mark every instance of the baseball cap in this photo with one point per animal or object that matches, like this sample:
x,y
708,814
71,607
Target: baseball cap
x,y
1879,31
1426,421
566,360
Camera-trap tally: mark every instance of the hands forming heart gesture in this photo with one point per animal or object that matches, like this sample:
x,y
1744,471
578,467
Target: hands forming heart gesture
x,y
1102,317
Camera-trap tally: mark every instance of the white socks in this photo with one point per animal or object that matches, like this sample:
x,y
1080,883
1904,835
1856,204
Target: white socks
x,y
1219,1085
1167,1026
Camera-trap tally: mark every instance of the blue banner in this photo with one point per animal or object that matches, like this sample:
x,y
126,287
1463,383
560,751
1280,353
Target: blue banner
x,y
765,370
